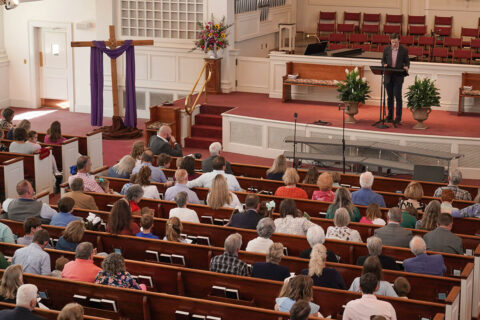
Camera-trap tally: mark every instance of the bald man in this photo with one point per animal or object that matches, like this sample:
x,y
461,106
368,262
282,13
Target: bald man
x,y
161,143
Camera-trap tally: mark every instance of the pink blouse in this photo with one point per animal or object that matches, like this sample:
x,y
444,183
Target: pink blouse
x,y
327,196
59,141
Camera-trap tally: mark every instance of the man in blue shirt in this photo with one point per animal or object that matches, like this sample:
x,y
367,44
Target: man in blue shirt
x,y
181,178
365,195
64,216
147,160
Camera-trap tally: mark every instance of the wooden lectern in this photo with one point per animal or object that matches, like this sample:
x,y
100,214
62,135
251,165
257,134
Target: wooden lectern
x,y
214,85
163,115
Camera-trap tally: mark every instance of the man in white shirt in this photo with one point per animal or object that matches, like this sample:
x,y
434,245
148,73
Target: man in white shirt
x,y
205,180
182,212
368,305
26,205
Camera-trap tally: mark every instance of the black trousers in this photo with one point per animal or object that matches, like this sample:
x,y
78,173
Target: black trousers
x,y
394,92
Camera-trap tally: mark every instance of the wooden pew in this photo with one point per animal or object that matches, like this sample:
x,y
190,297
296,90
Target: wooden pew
x,y
47,314
11,171
35,169
197,284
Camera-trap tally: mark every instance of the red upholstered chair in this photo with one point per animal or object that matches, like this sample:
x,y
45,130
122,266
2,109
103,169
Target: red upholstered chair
x,y
336,46
467,34
407,40
358,39
351,22
442,27
475,47
461,55
327,24
427,43
439,53
416,26
452,43
337,38
416,51
364,47
393,24
371,23
379,41
346,27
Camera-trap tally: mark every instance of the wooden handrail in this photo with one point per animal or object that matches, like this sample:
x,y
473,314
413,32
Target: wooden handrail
x,y
190,107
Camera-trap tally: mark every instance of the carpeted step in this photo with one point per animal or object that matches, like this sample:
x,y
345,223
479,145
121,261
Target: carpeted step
x,y
208,120
207,131
199,142
209,109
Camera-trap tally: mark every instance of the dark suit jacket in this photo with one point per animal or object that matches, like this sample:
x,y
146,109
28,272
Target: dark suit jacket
x,y
18,313
207,165
443,240
245,220
270,271
331,257
159,146
394,235
402,60
386,261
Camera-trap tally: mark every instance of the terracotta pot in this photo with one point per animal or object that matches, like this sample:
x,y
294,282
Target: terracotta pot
x,y
351,109
421,115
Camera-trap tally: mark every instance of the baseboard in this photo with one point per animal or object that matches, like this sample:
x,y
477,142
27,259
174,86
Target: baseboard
x,y
21,104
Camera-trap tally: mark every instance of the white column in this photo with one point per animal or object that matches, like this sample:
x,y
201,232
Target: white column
x,y
221,9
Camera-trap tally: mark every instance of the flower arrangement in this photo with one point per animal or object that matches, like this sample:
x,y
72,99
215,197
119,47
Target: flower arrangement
x,y
213,37
354,88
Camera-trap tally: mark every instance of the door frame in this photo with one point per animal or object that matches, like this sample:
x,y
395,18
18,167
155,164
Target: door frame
x,y
33,28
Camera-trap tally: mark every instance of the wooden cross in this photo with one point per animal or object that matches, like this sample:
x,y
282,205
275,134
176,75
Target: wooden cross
x,y
113,43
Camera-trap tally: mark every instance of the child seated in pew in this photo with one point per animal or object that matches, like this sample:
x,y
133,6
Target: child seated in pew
x,y
105,185
127,185
54,134
32,138
297,288
173,231
3,147
146,221
6,122
64,215
402,287
373,215
59,265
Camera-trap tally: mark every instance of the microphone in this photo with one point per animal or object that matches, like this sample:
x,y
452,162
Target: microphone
x,y
295,115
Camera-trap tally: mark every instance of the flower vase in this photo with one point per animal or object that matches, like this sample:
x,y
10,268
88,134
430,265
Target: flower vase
x,y
213,54
351,109
421,115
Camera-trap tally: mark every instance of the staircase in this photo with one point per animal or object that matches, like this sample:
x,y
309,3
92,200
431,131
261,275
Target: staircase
x,y
207,127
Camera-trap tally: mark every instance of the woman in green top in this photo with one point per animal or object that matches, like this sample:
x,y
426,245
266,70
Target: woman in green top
x,y
411,204
343,199
3,262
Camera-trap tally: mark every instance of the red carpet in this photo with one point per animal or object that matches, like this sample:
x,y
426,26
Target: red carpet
x,y
260,106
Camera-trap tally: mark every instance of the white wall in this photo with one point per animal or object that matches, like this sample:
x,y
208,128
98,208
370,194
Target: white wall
x,y
4,101
465,12
259,46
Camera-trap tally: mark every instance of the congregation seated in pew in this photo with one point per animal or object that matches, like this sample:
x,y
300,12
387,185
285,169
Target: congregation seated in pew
x,y
84,165
470,211
81,200
144,176
340,230
59,265
228,262
295,289
114,273
373,215
181,180
71,311
82,268
138,147
402,287
372,265
187,163
123,169
311,176
430,216
134,195
454,179
343,199
30,226
316,235
64,215
215,149
33,258
422,262
442,239
220,196
173,231
278,168
374,246
322,276
290,221
26,205
160,143
290,190
12,279
271,269
181,211
206,179
325,193
25,303
6,234
393,234
71,237
262,243
7,118
120,221
447,200
249,218
157,174
146,222
365,195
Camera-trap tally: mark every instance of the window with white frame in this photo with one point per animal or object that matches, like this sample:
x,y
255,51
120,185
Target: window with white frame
x,y
167,19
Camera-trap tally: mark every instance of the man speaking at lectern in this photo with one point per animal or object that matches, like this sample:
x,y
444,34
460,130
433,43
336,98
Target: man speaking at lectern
x,y
395,56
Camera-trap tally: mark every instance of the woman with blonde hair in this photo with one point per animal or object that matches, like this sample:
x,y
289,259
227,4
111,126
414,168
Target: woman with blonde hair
x,y
72,236
219,196
138,148
143,180
276,171
271,270
71,311
123,169
430,216
322,276
297,288
341,231
311,176
290,190
12,279
373,215
25,124
173,231
325,193
343,199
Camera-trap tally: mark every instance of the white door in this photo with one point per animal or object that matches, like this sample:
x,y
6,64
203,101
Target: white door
x,y
53,64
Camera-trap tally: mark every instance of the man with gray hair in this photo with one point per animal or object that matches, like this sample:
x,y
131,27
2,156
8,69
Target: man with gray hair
x,y
261,244
181,211
393,234
423,263
215,150
365,195
229,262
454,179
374,246
84,165
82,200
315,235
181,180
164,142
26,303
82,268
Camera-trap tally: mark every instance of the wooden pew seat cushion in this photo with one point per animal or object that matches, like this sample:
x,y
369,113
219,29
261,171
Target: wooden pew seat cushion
x,y
471,92
312,81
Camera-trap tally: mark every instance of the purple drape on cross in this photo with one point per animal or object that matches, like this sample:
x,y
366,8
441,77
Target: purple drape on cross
x,y
96,81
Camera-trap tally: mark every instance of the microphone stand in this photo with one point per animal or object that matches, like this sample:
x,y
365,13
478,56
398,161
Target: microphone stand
x,y
340,107
295,115
381,123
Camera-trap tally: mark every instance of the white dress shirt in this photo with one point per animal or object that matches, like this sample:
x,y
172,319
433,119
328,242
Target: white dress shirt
x,y
206,179
259,244
184,214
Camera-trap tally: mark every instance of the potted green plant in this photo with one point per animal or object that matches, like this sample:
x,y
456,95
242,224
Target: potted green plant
x,y
421,96
352,91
